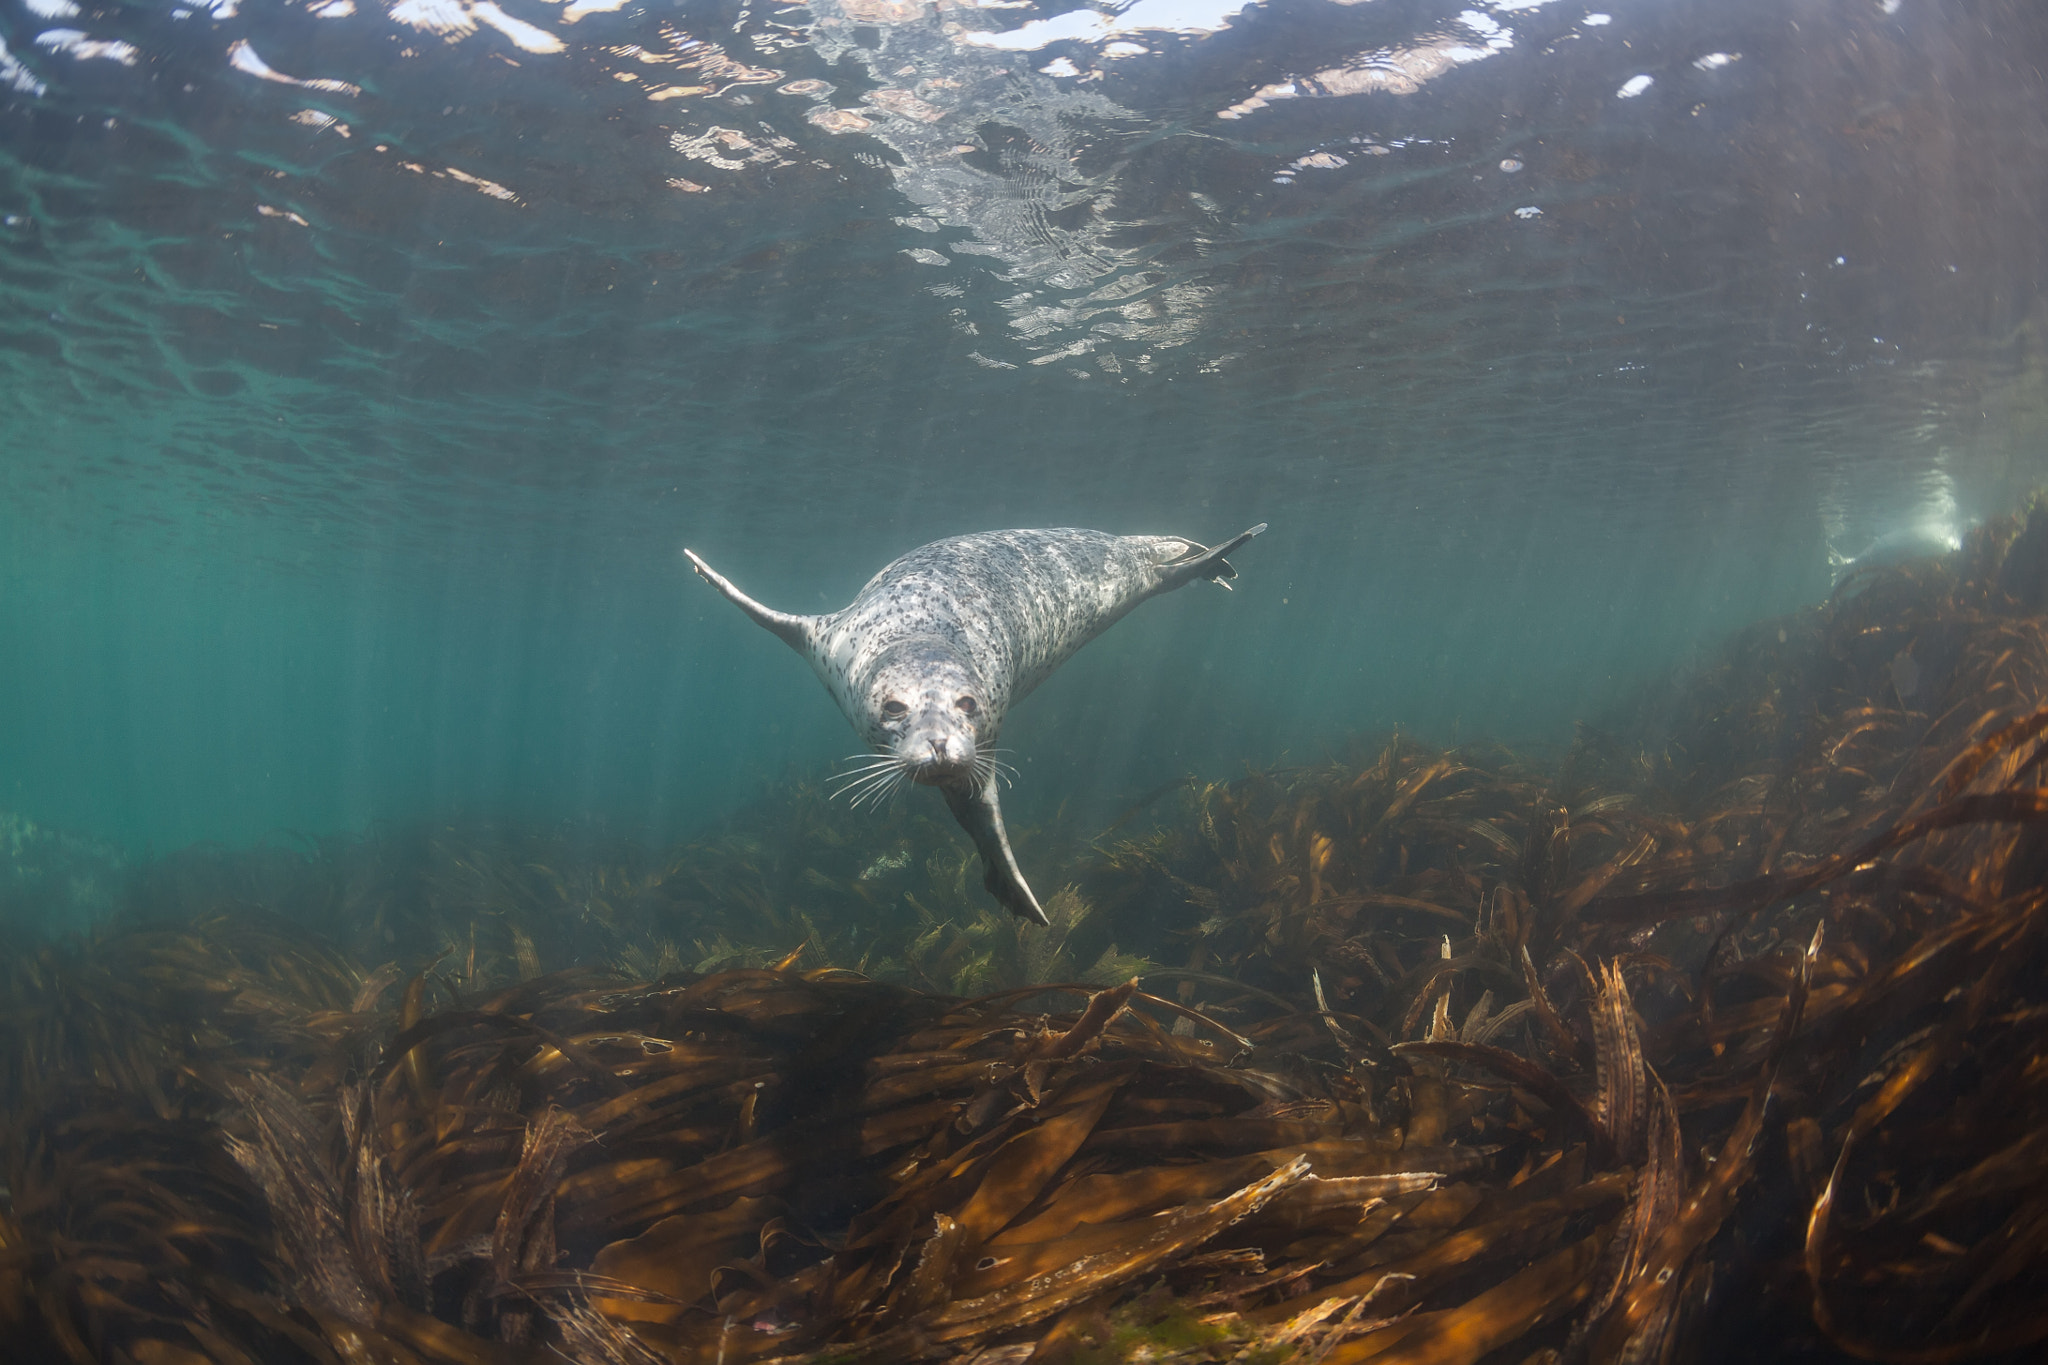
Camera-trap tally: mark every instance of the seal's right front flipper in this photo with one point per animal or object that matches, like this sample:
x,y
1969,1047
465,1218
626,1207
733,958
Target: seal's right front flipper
x,y
982,818
795,630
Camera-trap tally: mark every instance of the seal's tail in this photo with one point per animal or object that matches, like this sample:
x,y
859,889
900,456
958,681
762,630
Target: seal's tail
x,y
1211,564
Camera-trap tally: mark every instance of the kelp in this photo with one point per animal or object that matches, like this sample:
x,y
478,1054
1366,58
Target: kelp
x,y
1719,1035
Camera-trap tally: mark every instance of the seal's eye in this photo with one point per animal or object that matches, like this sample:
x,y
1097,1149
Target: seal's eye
x,y
894,709
966,706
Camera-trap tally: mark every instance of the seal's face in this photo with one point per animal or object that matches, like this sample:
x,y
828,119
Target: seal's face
x,y
925,710
925,713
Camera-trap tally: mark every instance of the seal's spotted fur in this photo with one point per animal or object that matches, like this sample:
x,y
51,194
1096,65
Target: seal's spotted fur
x,y
939,645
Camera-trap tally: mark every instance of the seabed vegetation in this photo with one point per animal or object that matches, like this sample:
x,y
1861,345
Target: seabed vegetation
x,y
1726,1032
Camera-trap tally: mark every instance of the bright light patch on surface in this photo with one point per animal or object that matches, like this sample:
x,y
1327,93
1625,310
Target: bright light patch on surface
x,y
1059,66
582,7
332,9
52,9
1039,33
1394,71
1528,211
17,76
837,120
903,103
1596,20
526,37
1147,16
449,18
243,58
478,183
1715,60
1633,86
1180,16
729,149
72,43
1483,24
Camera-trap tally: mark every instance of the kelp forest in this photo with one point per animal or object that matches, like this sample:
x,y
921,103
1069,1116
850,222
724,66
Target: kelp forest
x,y
1723,1031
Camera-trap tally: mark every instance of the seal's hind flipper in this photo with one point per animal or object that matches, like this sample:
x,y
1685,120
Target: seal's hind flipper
x,y
976,810
1209,564
796,630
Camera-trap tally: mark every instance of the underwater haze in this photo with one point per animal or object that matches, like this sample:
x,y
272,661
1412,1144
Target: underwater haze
x,y
365,368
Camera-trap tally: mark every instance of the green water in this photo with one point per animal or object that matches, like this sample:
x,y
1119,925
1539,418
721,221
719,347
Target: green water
x,y
334,489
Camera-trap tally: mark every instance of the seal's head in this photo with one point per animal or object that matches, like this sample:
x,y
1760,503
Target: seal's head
x,y
925,710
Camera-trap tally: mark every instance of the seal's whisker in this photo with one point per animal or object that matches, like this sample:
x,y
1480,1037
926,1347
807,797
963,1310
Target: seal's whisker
x,y
880,765
854,774
861,782
862,798
859,761
881,789
866,781
860,785
876,799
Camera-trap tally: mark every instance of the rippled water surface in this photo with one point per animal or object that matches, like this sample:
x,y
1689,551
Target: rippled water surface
x,y
366,368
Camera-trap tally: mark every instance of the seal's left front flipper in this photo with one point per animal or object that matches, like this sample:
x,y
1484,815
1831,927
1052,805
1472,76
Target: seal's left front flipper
x,y
976,810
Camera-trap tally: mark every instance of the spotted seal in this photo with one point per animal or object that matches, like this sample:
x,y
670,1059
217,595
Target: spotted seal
x,y
938,647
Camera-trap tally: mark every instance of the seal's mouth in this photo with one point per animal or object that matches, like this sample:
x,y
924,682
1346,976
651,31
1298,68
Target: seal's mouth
x,y
935,760
878,776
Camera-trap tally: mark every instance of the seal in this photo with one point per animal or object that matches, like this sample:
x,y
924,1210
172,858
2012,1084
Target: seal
x,y
931,655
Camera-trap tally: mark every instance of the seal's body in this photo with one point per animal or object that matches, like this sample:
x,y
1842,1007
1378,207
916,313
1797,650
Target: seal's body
x,y
939,646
